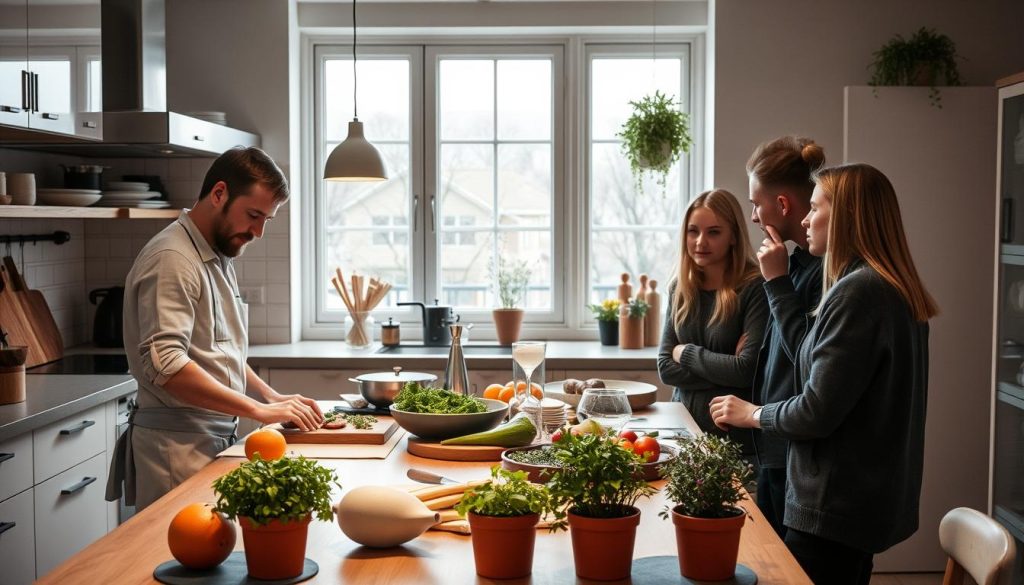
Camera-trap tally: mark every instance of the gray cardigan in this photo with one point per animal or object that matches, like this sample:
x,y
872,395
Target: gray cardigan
x,y
856,425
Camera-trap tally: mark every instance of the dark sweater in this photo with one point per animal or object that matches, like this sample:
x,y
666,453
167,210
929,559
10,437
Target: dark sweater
x,y
790,299
856,428
709,366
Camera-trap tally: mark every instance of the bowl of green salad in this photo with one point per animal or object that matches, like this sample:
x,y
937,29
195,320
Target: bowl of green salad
x,y
435,414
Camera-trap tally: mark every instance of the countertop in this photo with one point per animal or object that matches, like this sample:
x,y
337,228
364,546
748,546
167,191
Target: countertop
x,y
50,398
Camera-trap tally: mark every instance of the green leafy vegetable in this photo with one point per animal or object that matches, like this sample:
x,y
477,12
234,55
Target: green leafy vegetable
x,y
286,489
359,421
417,398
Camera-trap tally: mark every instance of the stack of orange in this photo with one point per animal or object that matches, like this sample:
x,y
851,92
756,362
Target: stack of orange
x,y
507,392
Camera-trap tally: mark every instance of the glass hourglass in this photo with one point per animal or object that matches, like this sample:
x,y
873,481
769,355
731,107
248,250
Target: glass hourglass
x,y
528,355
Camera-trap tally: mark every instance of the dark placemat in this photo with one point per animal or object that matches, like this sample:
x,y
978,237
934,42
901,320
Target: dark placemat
x,y
665,571
231,572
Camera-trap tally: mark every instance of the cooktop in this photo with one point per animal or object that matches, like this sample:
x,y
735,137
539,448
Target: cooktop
x,y
85,364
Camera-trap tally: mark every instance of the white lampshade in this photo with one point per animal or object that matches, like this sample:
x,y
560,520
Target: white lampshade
x,y
355,159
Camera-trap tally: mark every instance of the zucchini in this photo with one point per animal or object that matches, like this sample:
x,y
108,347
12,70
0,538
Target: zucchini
x,y
517,432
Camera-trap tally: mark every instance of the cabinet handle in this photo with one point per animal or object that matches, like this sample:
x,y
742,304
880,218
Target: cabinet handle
x,y
26,90
415,213
199,138
433,212
11,109
1006,225
5,526
51,116
88,124
78,428
35,92
6,456
77,487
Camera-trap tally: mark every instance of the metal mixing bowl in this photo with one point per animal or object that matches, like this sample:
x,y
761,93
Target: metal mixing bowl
x,y
380,388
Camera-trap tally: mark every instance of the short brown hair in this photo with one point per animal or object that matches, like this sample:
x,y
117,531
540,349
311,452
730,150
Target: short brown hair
x,y
241,168
788,162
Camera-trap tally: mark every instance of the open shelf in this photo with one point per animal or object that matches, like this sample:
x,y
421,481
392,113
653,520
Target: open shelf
x,y
55,212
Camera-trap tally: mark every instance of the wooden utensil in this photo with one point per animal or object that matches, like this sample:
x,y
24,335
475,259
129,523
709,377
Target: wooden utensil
x,y
36,309
14,320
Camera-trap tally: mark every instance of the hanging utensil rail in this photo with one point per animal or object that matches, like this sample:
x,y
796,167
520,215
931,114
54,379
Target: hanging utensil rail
x,y
57,237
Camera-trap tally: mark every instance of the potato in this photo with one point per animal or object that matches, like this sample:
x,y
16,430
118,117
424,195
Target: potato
x,y
594,383
572,386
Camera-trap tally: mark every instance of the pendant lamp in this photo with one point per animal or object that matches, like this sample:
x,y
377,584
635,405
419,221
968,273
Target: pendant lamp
x,y
355,159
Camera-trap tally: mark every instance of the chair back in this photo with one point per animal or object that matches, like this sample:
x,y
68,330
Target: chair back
x,y
978,545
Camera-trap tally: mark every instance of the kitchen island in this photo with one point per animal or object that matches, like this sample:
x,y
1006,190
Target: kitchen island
x,y
130,553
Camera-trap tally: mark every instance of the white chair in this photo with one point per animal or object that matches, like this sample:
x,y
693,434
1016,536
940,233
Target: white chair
x,y
978,546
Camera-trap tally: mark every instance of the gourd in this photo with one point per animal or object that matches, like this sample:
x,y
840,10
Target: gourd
x,y
515,433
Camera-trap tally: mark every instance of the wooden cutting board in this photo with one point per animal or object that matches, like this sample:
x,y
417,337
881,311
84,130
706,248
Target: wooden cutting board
x,y
421,448
37,311
378,434
14,321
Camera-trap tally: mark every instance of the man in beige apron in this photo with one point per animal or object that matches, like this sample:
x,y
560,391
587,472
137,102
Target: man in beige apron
x,y
186,335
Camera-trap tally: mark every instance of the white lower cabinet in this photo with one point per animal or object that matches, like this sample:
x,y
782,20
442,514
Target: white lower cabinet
x,y
17,540
70,512
15,465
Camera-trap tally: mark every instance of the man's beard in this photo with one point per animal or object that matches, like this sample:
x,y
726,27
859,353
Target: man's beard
x,y
230,244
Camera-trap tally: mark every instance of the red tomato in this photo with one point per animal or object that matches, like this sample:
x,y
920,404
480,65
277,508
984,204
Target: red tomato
x,y
628,435
556,436
647,448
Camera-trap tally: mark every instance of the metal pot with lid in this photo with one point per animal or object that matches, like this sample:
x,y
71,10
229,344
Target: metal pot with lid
x,y
380,388
83,176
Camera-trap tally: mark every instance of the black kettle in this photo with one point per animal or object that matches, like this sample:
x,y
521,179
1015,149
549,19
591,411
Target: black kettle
x,y
106,328
436,319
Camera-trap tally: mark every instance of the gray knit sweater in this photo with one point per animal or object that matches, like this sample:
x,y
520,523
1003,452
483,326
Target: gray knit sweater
x,y
856,425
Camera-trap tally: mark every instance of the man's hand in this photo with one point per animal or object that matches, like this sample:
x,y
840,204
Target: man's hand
x,y
301,411
730,411
772,255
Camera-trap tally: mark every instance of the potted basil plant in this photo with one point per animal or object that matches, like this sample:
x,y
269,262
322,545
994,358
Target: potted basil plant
x,y
705,481
275,502
655,136
596,488
503,514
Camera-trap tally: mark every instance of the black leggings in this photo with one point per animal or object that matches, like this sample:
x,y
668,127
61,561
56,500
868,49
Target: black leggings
x,y
828,562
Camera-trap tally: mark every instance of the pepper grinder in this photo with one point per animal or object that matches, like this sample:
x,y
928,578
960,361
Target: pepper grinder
x,y
389,333
456,378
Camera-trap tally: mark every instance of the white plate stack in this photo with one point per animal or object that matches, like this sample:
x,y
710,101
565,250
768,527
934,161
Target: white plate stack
x,y
214,117
554,412
67,197
131,194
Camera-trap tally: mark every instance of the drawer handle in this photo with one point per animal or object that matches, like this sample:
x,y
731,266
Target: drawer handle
x,y
78,428
10,109
199,138
77,487
88,124
5,526
47,116
6,456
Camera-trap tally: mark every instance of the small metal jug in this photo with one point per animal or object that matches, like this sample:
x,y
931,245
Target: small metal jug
x,y
456,378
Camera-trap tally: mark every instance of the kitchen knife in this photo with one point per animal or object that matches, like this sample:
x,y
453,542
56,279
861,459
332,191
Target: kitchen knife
x,y
428,477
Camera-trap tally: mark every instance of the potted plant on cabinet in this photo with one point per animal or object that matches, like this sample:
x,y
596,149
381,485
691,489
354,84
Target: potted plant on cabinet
x,y
512,278
655,136
631,324
926,58
503,515
607,315
595,490
274,502
705,481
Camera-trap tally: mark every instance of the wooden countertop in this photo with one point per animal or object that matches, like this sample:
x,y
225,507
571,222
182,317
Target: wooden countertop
x,y
131,552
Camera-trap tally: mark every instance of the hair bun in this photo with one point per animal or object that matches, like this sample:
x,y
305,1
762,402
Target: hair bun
x,y
813,155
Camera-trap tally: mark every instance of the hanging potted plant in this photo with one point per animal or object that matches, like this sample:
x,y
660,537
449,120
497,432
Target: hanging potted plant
x,y
607,315
927,58
705,481
512,279
503,515
275,501
655,136
596,489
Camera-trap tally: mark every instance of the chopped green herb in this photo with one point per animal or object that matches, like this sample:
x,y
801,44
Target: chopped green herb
x,y
417,398
360,421
541,456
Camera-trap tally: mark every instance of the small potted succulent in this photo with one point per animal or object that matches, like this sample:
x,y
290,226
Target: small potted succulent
x,y
274,502
655,136
596,489
926,58
631,324
705,482
607,315
512,278
503,515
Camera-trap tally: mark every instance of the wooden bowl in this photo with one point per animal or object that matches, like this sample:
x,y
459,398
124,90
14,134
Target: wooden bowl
x,y
535,473
13,356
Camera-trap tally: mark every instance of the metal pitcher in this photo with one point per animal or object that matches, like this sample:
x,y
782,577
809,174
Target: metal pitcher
x,y
456,378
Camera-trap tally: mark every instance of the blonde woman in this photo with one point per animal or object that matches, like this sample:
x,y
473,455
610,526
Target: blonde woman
x,y
717,311
856,425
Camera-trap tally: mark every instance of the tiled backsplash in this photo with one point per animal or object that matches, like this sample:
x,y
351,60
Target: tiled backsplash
x,y
101,252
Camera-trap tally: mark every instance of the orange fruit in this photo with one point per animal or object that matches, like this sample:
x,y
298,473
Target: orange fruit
x,y
200,537
269,443
493,391
507,394
535,389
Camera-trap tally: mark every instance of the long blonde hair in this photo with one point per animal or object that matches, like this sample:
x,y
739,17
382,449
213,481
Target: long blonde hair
x,y
865,222
740,269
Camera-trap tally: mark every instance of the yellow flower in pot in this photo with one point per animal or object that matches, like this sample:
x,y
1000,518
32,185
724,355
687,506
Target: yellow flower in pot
x,y
607,315
705,481
275,501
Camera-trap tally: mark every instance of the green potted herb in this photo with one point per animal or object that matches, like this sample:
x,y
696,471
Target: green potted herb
x,y
631,324
274,502
607,315
705,482
926,58
512,278
655,136
503,515
596,489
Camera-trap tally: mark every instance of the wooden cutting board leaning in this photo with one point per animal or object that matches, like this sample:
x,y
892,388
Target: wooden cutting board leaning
x,y
37,313
14,321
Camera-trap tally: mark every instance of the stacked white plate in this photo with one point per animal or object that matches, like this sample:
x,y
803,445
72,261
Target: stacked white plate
x,y
67,197
127,186
215,117
131,194
554,413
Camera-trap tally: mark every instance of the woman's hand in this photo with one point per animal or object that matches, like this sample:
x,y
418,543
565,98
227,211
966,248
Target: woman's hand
x,y
730,411
772,255
677,352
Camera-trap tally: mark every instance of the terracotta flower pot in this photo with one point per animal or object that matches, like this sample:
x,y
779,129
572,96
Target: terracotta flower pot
x,y
276,550
503,546
631,332
708,547
609,331
602,548
507,323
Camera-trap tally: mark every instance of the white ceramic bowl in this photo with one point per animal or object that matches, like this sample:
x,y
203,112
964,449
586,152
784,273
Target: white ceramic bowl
x,y
64,198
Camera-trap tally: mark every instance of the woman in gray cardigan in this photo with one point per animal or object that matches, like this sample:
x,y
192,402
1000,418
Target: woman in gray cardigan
x,y
717,314
856,424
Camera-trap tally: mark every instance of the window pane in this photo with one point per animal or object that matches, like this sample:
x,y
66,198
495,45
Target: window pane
x,y
466,100
612,252
534,247
616,82
465,272
524,99
615,200
524,184
95,86
383,98
354,251
466,177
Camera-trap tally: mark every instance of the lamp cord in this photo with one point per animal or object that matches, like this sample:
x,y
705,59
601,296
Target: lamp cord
x,y
355,76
